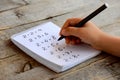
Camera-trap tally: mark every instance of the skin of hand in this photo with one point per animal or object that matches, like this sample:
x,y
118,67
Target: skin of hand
x,y
90,34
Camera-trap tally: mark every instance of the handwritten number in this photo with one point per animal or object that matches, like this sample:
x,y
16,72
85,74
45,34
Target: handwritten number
x,y
52,44
38,44
38,36
57,44
59,56
39,29
74,56
66,60
44,48
24,36
51,53
46,33
54,37
45,40
67,53
35,38
60,49
31,33
30,40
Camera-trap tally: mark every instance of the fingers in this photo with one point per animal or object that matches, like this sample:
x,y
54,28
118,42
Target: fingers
x,y
70,22
71,31
72,40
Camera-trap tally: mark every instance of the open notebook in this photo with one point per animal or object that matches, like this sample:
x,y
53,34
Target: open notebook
x,y
41,43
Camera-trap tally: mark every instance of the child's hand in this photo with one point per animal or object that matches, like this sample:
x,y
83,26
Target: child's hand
x,y
88,33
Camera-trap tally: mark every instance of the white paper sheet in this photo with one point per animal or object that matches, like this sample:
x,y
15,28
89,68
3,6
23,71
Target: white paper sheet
x,y
42,41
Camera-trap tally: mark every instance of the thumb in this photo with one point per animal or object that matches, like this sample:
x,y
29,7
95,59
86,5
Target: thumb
x,y
70,31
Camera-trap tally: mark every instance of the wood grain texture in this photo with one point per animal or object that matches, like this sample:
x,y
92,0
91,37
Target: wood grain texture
x,y
37,11
20,15
11,4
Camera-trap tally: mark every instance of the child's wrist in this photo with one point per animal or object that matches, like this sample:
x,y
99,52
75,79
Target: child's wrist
x,y
99,40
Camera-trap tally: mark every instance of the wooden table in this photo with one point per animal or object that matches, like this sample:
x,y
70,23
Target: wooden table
x,y
19,15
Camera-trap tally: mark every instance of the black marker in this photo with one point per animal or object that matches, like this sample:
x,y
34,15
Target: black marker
x,y
93,14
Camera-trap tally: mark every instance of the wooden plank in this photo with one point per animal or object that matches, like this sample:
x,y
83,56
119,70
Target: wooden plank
x,y
38,11
12,59
32,13
101,70
34,74
111,2
102,20
6,5
9,19
114,78
5,34
14,65
12,68
112,29
13,54
10,4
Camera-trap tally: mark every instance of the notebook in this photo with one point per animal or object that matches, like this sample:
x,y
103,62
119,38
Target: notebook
x,y
40,42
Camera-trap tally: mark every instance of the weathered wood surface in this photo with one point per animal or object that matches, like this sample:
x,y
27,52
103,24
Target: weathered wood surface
x,y
19,15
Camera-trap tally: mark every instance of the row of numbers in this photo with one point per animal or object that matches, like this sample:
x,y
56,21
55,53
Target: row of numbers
x,y
34,33
45,40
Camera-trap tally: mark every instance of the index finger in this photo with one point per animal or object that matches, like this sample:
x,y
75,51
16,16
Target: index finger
x,y
70,22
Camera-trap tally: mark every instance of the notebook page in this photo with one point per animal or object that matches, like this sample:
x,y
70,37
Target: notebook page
x,y
42,40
